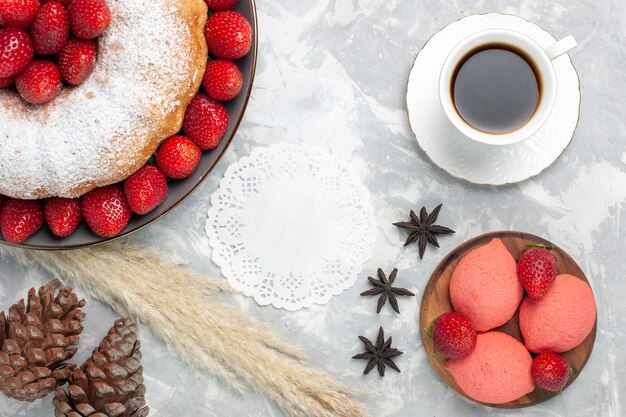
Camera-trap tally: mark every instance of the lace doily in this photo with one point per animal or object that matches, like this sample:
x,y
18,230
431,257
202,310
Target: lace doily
x,y
291,226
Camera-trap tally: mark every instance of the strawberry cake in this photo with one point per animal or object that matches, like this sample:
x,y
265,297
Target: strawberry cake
x,y
562,319
105,103
497,371
484,286
151,62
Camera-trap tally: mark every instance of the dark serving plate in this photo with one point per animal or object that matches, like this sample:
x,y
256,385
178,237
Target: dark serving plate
x,y
178,190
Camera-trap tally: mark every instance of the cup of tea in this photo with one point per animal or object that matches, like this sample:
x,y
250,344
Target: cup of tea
x,y
498,86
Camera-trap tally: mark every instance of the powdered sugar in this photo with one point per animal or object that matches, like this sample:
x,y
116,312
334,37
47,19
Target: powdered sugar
x,y
92,131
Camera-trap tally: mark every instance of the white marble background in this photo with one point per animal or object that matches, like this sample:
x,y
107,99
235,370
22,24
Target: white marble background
x,y
333,72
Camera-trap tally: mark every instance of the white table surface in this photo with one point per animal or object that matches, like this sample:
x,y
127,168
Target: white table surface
x,y
333,73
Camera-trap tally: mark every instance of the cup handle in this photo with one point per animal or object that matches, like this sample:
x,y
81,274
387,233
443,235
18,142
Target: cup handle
x,y
561,47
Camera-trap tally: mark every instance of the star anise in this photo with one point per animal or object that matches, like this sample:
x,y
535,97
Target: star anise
x,y
423,230
379,355
383,286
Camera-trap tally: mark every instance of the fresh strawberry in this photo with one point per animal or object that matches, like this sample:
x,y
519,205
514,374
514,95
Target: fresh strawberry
x,y
18,13
3,199
220,5
228,35
77,59
40,82
89,18
453,335
6,82
16,51
106,210
550,371
19,219
205,122
222,80
51,29
145,189
178,157
63,215
537,269
65,3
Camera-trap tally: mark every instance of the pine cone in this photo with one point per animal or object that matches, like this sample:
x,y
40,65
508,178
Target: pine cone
x,y
110,383
36,339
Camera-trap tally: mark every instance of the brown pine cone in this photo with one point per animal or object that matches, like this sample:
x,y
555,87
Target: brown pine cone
x,y
110,383
36,339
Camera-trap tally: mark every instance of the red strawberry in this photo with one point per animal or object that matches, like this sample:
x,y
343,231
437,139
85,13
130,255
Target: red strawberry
x,y
205,122
550,371
18,13
3,200
145,189
51,29
453,335
222,80
106,210
40,82
537,269
62,215
65,3
228,35
19,219
6,82
77,59
219,5
89,18
178,157
16,51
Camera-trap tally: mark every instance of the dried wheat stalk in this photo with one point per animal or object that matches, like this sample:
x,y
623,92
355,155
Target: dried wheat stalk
x,y
185,310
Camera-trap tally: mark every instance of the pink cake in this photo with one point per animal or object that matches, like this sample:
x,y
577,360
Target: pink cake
x,y
497,371
562,319
484,286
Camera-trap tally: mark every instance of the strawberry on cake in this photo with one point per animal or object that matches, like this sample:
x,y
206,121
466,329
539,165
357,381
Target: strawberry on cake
x,y
484,286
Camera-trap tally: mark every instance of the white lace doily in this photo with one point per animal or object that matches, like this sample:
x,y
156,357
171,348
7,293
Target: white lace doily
x,y
291,226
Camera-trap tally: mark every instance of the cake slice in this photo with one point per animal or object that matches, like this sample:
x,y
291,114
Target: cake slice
x,y
562,319
496,371
484,286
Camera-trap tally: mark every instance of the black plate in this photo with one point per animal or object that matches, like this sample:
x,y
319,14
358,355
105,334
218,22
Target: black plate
x,y
178,190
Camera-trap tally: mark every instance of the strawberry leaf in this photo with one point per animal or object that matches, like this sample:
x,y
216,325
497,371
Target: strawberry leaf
x,y
539,245
429,332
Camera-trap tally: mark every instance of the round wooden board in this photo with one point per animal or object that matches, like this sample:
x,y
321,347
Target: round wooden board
x,y
436,301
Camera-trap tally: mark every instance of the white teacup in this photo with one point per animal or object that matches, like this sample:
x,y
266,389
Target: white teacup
x,y
542,60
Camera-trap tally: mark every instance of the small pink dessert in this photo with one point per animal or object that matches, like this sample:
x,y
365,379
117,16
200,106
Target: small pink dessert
x,y
562,319
496,371
484,286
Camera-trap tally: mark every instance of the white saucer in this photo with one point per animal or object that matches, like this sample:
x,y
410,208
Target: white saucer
x,y
470,160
